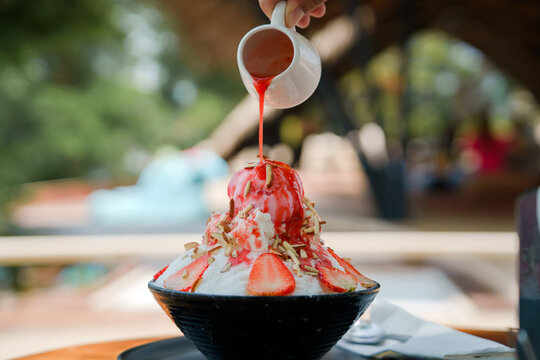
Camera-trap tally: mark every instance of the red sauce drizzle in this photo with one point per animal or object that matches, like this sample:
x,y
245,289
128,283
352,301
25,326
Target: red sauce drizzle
x,y
261,85
240,258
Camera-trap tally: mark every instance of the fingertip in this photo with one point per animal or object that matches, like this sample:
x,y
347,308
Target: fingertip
x,y
267,6
319,12
293,13
304,21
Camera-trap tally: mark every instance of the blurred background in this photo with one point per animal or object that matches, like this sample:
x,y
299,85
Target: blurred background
x,y
121,122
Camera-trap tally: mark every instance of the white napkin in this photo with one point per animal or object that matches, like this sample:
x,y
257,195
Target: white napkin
x,y
428,340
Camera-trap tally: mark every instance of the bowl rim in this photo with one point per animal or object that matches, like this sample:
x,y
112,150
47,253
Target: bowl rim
x,y
157,289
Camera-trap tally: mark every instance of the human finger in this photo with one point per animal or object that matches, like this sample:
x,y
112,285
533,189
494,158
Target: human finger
x,y
304,21
296,9
267,6
319,11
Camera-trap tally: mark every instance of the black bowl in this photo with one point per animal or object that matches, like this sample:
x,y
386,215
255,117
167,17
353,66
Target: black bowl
x,y
263,327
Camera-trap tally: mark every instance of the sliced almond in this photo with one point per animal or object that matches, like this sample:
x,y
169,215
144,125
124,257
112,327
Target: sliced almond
x,y
269,175
234,253
280,254
191,245
245,210
195,284
309,230
293,257
210,260
198,254
303,254
211,251
315,256
311,269
226,267
224,228
231,207
316,225
297,270
288,246
246,189
276,243
223,218
309,203
220,237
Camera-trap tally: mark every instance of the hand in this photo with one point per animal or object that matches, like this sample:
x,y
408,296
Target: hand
x,y
298,12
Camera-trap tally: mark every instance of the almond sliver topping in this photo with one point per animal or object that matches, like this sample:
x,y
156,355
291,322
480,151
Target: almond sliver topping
x,y
219,237
288,247
269,175
293,257
316,225
194,287
231,208
191,245
226,267
211,251
248,186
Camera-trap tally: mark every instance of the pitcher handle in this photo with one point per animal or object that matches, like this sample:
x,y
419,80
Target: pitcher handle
x,y
278,15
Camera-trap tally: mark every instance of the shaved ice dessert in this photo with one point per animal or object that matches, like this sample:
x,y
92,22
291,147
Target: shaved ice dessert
x,y
269,243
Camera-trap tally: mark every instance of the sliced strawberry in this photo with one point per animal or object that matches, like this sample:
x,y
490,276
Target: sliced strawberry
x,y
364,281
336,280
270,277
158,274
185,278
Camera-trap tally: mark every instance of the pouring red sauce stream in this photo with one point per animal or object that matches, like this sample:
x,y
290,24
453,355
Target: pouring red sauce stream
x,y
261,85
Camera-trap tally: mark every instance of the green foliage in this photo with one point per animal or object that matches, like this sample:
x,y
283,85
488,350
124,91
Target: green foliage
x,y
433,83
71,97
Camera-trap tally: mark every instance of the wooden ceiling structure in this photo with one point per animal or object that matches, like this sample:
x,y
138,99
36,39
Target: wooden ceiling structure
x,y
507,31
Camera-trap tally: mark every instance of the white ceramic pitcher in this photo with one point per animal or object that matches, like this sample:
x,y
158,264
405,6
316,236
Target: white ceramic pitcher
x,y
277,50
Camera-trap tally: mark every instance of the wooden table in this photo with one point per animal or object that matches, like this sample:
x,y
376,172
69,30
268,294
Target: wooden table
x,y
110,350
98,351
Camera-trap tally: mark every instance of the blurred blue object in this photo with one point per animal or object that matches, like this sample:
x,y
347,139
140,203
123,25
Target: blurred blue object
x,y
168,191
81,274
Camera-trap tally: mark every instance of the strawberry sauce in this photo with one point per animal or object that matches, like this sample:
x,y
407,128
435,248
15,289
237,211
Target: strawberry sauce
x,y
261,85
241,258
282,199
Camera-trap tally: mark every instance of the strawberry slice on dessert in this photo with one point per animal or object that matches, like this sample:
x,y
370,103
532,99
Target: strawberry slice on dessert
x,y
364,281
270,277
336,280
187,278
158,274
